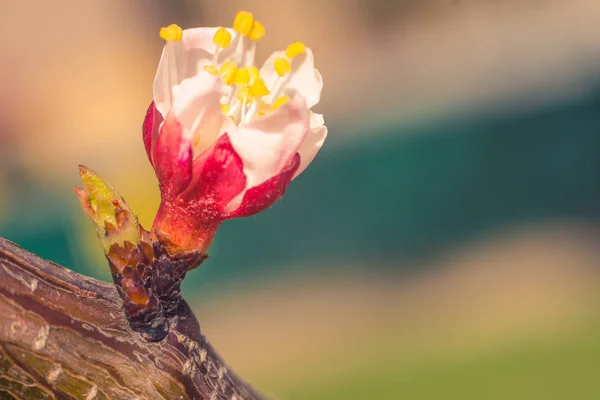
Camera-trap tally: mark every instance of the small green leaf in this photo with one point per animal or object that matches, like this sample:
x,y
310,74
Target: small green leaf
x,y
106,208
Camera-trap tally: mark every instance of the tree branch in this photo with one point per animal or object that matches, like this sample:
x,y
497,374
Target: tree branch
x,y
65,336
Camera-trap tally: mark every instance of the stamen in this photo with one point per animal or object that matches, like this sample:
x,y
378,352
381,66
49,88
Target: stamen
x,y
232,112
259,89
282,66
244,110
228,72
172,33
249,94
278,87
243,22
254,74
222,38
242,77
295,49
257,31
238,56
246,76
249,88
245,25
243,93
252,51
251,112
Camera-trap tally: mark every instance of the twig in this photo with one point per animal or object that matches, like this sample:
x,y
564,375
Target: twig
x,y
63,335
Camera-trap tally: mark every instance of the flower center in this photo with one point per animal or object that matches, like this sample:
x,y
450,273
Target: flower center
x,y
233,61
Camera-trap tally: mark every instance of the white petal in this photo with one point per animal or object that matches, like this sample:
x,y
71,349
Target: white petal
x,y
180,61
312,143
200,47
197,107
166,78
200,39
267,144
304,79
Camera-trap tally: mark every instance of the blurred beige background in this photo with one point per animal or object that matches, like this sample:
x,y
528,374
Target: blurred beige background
x,y
377,57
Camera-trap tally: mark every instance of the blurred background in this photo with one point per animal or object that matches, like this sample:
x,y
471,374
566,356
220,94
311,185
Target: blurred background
x,y
444,243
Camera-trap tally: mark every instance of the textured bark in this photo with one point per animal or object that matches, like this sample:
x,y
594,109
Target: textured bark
x,y
65,336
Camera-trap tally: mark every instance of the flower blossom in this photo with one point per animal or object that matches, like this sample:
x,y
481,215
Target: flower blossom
x,y
224,137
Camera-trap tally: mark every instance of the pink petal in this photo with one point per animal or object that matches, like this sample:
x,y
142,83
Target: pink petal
x,y
218,178
172,157
150,126
264,195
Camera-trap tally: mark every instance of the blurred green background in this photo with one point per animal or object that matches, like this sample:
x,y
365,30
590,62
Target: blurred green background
x,y
444,243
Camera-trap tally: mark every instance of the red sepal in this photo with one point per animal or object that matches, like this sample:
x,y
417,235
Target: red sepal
x,y
172,156
189,218
150,126
218,178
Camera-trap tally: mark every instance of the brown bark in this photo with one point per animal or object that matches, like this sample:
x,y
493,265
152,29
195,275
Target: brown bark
x,y
65,336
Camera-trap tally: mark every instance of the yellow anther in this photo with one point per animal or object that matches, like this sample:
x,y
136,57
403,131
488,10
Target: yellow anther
x,y
243,22
225,108
251,93
242,77
246,76
228,72
243,93
253,72
211,69
281,100
172,33
295,49
282,66
222,38
259,89
257,31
